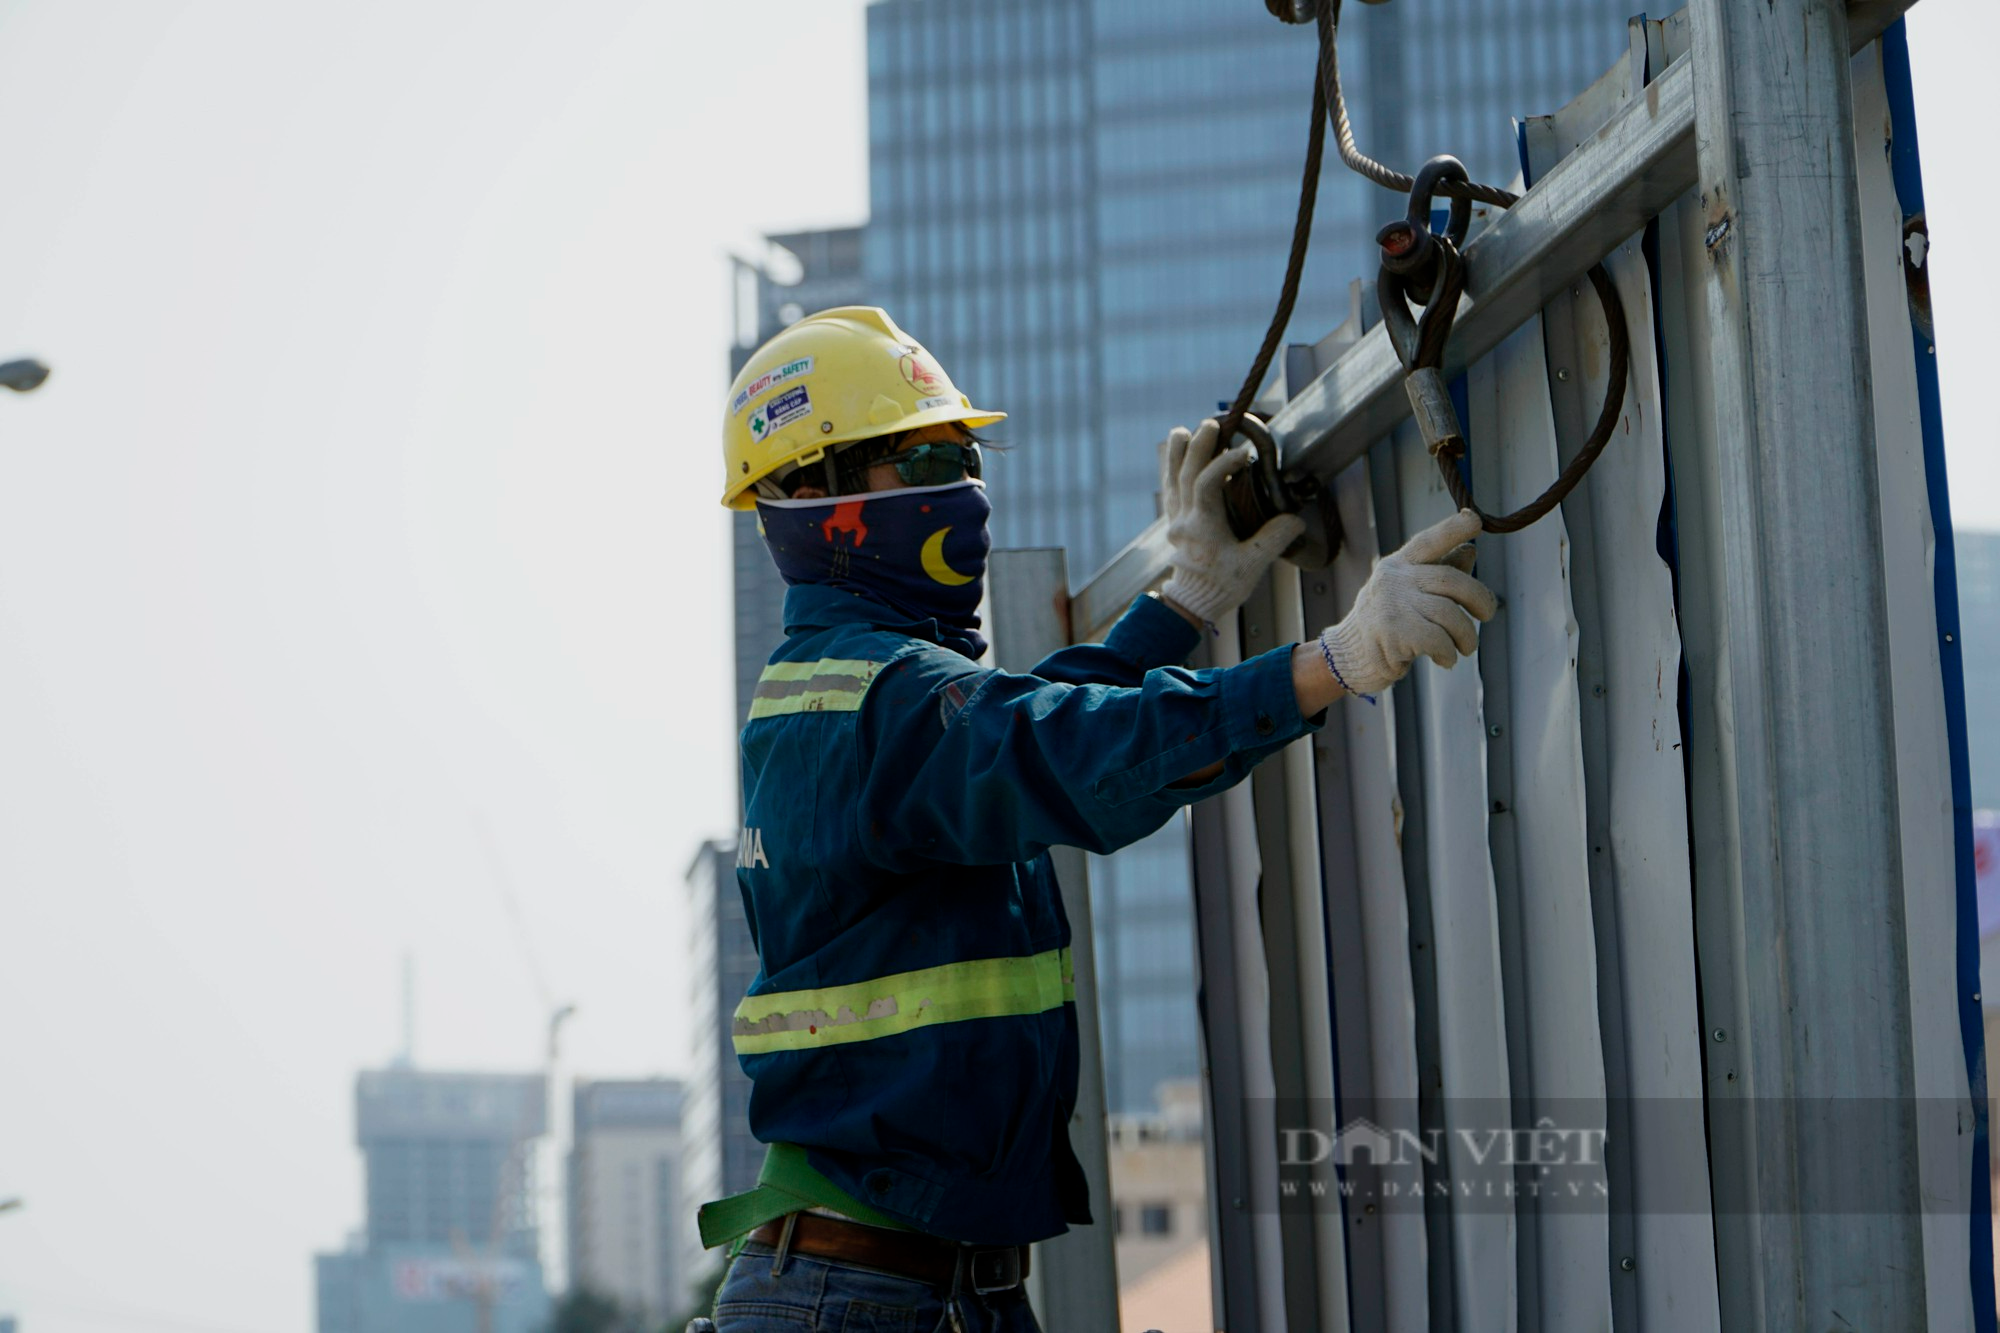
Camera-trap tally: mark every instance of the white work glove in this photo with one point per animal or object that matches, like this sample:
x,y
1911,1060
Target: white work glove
x,y
1213,571
1420,601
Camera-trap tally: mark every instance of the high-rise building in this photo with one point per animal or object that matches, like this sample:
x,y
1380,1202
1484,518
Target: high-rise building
x,y
721,1156
631,1225
451,1233
802,272
1088,223
1978,556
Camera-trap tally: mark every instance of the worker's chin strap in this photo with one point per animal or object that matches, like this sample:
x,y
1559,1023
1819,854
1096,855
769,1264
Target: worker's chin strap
x,y
920,551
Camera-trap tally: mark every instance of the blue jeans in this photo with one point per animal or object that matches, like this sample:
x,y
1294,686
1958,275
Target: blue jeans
x,y
827,1294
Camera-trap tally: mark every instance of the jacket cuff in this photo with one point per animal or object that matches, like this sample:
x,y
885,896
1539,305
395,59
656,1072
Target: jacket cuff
x,y
1152,634
1260,706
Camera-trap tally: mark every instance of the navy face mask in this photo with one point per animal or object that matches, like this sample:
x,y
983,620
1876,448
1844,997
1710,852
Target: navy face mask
x,y
920,551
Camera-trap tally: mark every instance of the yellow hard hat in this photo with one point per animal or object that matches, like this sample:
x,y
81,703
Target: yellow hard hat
x,y
832,378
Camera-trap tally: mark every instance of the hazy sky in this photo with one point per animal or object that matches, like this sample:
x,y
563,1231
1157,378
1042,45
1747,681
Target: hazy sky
x,y
368,523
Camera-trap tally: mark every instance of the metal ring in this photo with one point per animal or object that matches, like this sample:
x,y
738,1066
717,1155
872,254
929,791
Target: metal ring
x,y
1444,167
1255,495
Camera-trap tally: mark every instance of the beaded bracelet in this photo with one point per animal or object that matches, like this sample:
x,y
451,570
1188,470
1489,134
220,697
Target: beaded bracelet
x,y
1326,651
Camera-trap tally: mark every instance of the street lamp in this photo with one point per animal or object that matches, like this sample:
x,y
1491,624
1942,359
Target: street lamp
x,y
23,376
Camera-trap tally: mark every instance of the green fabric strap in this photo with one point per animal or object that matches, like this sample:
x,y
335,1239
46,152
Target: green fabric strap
x,y
786,1183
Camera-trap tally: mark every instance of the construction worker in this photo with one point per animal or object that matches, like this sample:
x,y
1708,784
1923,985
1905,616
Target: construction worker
x,y
911,1035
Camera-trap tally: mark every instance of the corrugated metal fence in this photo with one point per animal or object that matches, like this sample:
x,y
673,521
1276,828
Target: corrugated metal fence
x,y
1470,1012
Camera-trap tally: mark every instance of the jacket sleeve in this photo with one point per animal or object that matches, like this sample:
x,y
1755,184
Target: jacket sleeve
x,y
1150,634
970,767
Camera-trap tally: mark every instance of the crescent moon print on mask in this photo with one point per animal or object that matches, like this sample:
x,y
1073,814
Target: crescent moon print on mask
x,y
934,563
889,547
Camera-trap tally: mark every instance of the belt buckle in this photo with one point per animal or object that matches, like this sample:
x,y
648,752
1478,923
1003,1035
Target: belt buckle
x,y
994,1270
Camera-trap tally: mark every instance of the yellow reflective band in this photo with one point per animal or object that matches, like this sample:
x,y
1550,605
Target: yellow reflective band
x,y
981,988
830,685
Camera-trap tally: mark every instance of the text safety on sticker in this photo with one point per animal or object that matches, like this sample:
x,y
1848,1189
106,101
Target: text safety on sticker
x,y
768,381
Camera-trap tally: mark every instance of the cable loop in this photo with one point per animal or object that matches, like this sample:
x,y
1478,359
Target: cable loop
x,y
1417,266
1420,344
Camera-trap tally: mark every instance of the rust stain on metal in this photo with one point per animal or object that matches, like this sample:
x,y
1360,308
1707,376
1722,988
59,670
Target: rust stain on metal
x,y
1916,271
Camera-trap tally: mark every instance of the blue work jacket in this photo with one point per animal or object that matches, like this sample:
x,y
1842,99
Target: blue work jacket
x,y
913,1024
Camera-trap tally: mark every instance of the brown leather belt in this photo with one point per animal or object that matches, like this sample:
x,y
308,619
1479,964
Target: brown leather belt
x,y
904,1253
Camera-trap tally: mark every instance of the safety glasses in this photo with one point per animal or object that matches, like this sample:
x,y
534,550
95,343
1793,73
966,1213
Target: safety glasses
x,y
936,464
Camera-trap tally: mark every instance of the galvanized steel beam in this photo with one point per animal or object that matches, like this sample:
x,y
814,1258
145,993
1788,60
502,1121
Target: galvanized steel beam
x,y
1077,1272
1800,858
1869,19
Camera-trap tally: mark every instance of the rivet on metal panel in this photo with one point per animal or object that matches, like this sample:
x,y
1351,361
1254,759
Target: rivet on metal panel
x,y
1319,589
1494,730
1732,1076
1562,375
1719,1035
1628,1263
1948,638
1597,691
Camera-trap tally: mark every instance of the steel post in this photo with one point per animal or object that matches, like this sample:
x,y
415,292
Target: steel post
x,y
1077,1273
1802,860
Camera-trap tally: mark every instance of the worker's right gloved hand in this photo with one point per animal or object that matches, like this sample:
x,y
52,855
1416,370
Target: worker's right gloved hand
x,y
1420,601
1213,572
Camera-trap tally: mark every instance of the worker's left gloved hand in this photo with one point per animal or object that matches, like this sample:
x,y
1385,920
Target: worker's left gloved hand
x,y
1213,571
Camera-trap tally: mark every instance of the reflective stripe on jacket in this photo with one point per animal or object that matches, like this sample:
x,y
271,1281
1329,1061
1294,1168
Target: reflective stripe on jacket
x,y
912,1025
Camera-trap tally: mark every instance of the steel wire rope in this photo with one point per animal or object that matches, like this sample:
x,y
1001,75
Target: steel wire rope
x,y
1252,495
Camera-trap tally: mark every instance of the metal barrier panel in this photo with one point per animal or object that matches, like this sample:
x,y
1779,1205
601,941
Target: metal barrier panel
x,y
1296,928
1375,1002
1565,878
1243,1087
1471,1015
1527,657
1629,659
1892,269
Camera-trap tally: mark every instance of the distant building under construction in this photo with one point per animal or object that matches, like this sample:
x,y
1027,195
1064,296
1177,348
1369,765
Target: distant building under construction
x,y
450,1243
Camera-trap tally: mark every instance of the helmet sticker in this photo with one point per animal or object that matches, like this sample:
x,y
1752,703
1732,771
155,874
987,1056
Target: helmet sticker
x,y
922,374
768,381
780,412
